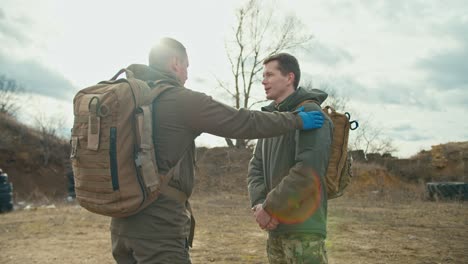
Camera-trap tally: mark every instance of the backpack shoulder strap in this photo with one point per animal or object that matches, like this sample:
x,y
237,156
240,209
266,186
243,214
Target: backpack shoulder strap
x,y
307,101
159,88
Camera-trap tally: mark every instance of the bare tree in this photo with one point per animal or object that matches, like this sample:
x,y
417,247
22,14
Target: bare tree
x,y
9,88
371,139
337,101
334,99
49,130
259,33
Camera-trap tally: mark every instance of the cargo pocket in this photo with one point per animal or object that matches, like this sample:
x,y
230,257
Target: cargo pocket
x,y
113,158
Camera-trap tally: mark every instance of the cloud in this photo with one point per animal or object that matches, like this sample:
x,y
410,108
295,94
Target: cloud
x,y
448,69
37,78
200,80
414,137
22,35
341,84
407,131
417,95
327,54
403,128
384,92
397,10
457,99
12,29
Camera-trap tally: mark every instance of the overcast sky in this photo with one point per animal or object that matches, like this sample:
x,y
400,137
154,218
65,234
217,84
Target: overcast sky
x,y
402,64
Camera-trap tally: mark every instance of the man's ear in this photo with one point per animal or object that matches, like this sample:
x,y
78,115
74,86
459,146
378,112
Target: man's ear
x,y
291,77
174,64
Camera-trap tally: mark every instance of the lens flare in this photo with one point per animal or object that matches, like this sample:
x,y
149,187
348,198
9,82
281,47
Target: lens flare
x,y
302,204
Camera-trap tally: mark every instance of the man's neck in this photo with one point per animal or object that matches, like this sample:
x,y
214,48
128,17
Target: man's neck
x,y
280,99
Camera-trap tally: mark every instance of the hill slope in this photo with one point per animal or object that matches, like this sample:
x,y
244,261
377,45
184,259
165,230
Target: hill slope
x,y
24,152
35,162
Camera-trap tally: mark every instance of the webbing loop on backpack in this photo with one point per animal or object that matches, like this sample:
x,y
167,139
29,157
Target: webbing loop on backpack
x,y
74,147
93,105
94,123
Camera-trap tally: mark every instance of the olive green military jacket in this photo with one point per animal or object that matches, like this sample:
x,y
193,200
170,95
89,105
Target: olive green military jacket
x,y
181,115
286,173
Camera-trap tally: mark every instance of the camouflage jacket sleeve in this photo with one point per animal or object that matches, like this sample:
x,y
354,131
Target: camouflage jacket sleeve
x,y
203,114
256,177
305,178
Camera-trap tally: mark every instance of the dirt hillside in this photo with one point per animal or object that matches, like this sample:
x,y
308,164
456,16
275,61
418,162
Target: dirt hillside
x,y
34,161
443,162
446,161
383,217
23,154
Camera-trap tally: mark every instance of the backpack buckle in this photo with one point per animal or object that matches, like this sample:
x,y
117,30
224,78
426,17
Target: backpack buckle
x,y
138,162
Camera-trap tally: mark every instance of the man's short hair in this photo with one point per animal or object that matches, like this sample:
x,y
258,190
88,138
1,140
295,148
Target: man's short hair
x,y
286,63
163,51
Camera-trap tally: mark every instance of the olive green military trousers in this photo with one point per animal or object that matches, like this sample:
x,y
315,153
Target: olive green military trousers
x,y
128,250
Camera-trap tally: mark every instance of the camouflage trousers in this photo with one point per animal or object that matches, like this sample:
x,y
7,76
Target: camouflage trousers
x,y
296,249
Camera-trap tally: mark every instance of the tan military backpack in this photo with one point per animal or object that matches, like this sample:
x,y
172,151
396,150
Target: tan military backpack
x,y
339,172
112,150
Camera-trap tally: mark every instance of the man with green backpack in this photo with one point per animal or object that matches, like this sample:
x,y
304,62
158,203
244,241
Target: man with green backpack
x,y
140,171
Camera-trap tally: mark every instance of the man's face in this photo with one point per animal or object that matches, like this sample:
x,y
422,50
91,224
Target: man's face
x,y
182,69
277,86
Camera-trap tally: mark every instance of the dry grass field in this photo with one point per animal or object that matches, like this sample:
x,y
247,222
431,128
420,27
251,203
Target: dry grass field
x,y
383,218
370,228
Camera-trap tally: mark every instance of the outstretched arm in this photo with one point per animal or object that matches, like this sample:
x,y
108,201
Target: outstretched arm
x,y
210,116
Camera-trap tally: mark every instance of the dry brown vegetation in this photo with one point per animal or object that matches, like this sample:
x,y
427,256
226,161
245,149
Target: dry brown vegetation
x,y
22,157
381,219
369,228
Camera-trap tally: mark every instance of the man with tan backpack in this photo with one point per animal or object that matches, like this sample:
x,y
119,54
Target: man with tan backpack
x,y
133,151
291,176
